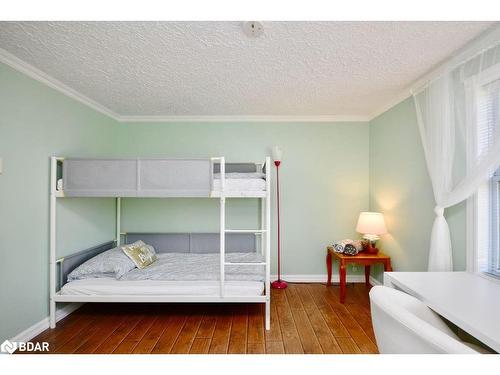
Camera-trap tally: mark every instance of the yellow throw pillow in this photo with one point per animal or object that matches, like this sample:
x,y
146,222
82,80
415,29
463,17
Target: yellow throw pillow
x,y
141,254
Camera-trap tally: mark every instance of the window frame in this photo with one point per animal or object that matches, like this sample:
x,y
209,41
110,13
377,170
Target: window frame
x,y
472,86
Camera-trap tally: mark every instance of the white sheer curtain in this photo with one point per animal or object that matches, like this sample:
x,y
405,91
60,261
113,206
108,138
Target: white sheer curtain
x,y
447,114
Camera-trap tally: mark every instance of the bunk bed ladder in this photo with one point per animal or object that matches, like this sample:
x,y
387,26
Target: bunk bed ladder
x,y
265,233
222,224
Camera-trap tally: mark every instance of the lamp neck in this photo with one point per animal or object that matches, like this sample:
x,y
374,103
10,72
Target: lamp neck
x,y
371,237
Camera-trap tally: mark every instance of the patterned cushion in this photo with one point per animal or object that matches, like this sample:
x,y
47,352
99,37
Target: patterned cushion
x,y
141,254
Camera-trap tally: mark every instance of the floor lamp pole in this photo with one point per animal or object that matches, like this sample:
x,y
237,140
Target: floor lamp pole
x,y
278,284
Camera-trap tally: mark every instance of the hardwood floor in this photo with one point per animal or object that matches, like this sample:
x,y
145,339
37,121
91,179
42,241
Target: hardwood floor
x,y
305,318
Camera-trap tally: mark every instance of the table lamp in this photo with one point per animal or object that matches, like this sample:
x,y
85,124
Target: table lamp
x,y
371,225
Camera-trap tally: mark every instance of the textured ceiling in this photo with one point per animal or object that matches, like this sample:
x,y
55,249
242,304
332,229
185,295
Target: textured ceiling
x,y
214,69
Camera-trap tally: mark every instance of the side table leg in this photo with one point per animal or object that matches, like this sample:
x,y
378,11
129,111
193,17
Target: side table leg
x,y
329,268
342,274
387,266
367,275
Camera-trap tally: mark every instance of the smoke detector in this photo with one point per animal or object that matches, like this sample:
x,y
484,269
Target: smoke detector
x,y
253,29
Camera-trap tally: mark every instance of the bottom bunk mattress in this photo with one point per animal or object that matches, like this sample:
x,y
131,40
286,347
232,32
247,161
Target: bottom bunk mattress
x,y
107,287
172,274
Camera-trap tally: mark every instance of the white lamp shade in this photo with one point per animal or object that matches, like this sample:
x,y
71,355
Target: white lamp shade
x,y
277,153
371,223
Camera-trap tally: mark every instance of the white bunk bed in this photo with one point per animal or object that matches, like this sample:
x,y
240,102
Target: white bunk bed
x,y
162,178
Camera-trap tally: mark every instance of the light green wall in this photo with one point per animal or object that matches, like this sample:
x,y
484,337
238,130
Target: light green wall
x,y
400,188
324,181
324,186
35,123
330,172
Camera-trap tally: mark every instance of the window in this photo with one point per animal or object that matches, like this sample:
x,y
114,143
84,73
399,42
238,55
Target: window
x,y
486,213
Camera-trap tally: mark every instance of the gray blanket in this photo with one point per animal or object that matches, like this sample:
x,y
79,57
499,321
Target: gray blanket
x,y
187,266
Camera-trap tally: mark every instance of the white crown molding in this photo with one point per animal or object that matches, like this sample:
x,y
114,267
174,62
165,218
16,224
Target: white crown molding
x,y
40,76
270,118
37,328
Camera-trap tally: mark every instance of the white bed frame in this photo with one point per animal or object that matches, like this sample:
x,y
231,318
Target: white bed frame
x,y
264,232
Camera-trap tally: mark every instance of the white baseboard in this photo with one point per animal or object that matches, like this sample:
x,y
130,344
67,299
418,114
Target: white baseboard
x,y
319,278
43,324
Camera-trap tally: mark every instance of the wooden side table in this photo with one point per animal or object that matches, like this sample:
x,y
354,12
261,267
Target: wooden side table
x,y
361,258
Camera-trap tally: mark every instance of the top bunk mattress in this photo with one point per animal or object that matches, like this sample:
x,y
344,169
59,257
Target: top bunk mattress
x,y
241,184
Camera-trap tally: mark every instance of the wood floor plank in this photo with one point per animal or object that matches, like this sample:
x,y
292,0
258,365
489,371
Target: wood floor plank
x,y
135,335
291,340
325,337
316,291
149,340
274,334
305,318
331,318
187,334
348,345
169,335
255,324
275,347
364,344
113,341
307,336
200,346
57,337
220,339
207,326
239,330
345,317
50,335
328,343
70,342
105,328
306,298
363,319
293,297
256,348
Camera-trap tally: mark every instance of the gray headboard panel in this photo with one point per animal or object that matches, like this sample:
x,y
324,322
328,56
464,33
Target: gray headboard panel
x,y
195,242
70,262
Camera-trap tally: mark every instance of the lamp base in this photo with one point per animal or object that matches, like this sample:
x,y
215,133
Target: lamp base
x,y
279,284
371,249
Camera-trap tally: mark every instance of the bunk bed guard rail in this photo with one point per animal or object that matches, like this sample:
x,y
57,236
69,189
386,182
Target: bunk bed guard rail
x,y
143,177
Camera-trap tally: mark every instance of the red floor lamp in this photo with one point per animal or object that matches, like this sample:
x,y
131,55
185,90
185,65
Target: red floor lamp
x,y
277,153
